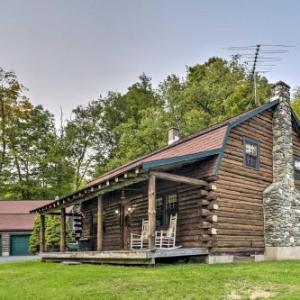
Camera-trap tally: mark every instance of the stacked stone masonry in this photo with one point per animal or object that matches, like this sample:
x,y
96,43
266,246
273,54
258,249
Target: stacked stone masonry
x,y
281,199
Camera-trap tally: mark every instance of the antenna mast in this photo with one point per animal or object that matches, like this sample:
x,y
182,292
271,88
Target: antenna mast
x,y
253,72
262,57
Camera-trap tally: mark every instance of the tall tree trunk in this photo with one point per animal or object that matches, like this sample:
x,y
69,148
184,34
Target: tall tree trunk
x,y
3,132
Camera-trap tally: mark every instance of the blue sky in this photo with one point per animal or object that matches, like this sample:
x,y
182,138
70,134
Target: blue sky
x,y
69,52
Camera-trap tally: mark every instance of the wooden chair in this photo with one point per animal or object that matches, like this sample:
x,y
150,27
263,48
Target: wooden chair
x,y
167,238
140,241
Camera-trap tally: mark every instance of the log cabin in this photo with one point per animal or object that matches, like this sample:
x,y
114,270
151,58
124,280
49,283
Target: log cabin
x,y
233,187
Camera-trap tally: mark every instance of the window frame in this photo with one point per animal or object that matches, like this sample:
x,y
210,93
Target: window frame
x,y
163,217
254,142
296,157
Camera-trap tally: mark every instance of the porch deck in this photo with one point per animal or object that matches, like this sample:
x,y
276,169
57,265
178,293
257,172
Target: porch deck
x,y
138,257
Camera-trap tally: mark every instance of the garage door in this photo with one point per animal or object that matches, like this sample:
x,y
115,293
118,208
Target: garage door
x,y
19,244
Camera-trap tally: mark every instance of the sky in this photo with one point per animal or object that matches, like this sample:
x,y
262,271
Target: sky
x,y
69,52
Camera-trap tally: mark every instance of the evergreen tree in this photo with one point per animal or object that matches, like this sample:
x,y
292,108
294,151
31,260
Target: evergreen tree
x,y
34,240
52,234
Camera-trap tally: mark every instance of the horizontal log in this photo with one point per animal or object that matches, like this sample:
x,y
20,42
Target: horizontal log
x,y
179,178
206,238
213,206
236,250
212,231
205,225
205,212
212,218
211,178
204,202
211,196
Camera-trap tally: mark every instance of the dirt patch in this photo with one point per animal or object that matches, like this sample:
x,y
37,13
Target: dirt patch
x,y
252,295
260,295
234,295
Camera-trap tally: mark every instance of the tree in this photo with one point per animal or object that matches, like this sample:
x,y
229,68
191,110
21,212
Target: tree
x,y
34,240
84,139
52,234
219,89
10,90
124,120
137,121
296,101
38,160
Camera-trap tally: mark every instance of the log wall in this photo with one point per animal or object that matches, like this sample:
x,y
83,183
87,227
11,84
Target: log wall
x,y
240,189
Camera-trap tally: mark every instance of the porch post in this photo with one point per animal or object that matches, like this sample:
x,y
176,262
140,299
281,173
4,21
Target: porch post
x,y
42,233
63,230
151,210
100,224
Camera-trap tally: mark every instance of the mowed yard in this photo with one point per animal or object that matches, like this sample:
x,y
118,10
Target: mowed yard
x,y
35,280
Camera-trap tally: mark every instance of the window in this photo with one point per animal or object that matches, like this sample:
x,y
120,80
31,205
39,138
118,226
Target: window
x,y
166,206
171,205
297,167
94,221
159,211
251,153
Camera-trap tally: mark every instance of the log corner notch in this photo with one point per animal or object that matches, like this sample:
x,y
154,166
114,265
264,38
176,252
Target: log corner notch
x,y
208,212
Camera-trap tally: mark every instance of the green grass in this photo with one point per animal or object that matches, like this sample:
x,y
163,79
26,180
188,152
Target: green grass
x,y
35,280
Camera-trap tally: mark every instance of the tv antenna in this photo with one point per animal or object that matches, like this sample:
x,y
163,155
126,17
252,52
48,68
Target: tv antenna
x,y
259,59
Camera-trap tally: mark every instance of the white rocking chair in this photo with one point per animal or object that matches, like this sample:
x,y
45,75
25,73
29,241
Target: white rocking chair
x,y
140,241
167,238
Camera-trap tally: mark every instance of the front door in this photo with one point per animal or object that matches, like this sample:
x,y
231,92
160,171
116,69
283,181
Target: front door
x,y
125,224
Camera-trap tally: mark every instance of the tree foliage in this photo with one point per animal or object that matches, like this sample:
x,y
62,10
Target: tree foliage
x,y
296,101
52,234
38,160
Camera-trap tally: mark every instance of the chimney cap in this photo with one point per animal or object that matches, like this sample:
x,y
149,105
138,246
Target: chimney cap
x,y
280,91
281,83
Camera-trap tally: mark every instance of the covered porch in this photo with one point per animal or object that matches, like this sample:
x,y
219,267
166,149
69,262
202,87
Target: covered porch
x,y
114,209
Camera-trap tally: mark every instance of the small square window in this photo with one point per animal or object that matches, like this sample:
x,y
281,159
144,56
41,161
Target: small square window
x,y
297,167
251,153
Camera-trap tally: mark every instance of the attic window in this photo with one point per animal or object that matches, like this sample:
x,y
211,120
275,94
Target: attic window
x,y
251,153
297,167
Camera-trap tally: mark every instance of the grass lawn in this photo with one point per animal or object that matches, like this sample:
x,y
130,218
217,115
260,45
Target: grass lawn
x,y
35,280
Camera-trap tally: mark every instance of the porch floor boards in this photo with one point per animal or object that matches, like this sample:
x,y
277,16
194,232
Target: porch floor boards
x,y
123,257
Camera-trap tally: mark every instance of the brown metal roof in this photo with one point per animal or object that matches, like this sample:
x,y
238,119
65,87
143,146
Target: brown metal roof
x,y
201,142
15,214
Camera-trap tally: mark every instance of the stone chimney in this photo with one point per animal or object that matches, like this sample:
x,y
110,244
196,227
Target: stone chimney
x,y
281,201
283,159
173,135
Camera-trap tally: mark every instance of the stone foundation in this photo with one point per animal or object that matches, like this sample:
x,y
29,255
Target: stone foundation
x,y
219,259
282,253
